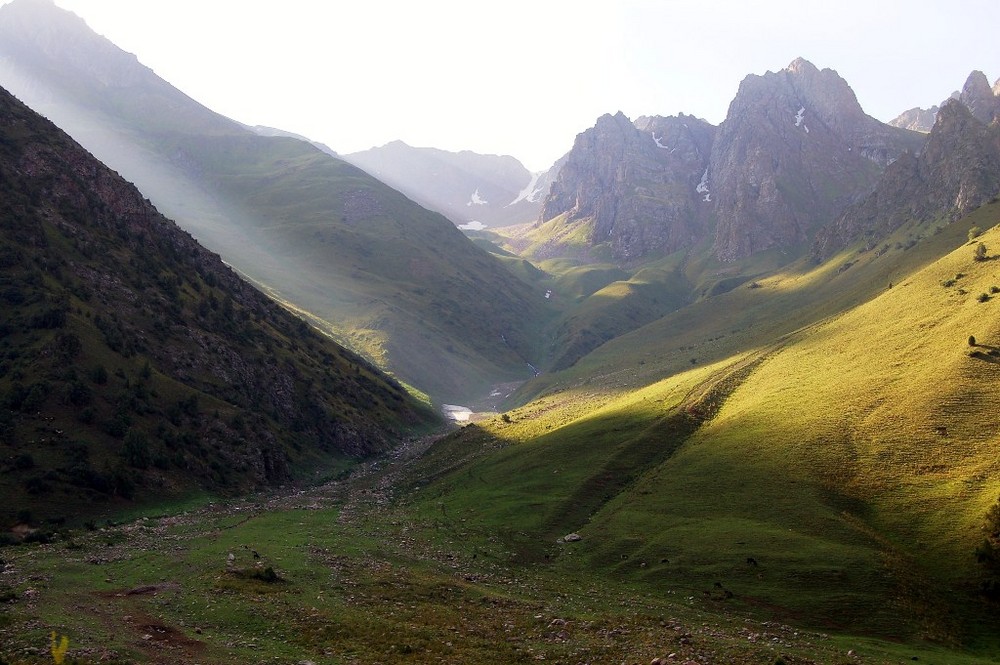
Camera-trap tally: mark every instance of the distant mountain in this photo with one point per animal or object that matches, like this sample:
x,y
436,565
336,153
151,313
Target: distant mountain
x,y
795,149
137,363
466,187
976,94
390,278
916,119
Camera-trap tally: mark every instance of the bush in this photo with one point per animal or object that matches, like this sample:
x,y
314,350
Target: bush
x,y
135,450
983,297
979,253
972,340
974,233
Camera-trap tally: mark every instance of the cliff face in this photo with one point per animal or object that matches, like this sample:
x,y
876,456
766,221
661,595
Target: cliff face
x,y
795,149
639,186
957,171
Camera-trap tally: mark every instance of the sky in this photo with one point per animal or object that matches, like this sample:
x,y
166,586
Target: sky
x,y
525,77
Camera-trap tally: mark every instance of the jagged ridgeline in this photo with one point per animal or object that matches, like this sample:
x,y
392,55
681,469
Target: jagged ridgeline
x,y
132,360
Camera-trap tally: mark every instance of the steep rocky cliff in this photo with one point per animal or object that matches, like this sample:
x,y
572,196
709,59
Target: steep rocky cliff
x,y
794,150
957,171
639,187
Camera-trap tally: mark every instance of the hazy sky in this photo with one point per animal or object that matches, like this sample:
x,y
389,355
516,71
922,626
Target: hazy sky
x,y
524,77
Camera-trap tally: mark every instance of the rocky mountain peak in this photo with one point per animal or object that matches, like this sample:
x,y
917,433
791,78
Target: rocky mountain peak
x,y
640,187
795,148
825,92
979,97
957,170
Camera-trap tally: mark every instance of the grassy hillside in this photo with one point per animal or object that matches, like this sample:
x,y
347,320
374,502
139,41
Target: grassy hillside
x,y
815,445
395,282
135,364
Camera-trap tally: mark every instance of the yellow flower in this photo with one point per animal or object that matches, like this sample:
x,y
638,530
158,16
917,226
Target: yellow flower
x,y
59,648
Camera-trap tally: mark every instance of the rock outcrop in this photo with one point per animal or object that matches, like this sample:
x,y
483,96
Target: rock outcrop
x,y
957,171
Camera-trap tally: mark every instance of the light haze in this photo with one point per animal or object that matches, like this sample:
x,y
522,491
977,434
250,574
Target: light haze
x,y
523,78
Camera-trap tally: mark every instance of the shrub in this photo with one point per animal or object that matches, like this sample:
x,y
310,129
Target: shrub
x,y
135,450
972,340
974,233
983,297
979,253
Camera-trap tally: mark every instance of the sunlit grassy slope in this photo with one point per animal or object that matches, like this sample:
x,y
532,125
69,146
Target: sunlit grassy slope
x,y
818,445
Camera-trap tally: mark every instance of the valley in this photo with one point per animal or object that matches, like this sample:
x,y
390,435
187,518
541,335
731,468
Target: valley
x,y
699,393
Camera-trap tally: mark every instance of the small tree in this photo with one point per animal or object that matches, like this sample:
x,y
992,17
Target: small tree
x,y
972,340
988,552
974,233
979,254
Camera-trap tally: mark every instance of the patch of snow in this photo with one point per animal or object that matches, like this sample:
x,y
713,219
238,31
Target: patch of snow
x,y
702,188
474,225
800,116
531,193
657,140
476,199
548,294
460,414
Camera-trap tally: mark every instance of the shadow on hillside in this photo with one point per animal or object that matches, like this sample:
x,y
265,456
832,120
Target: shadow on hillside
x,y
990,354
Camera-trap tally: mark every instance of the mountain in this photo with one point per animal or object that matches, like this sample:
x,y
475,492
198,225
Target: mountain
x,y
975,94
957,171
466,187
795,149
294,219
136,363
916,119
637,188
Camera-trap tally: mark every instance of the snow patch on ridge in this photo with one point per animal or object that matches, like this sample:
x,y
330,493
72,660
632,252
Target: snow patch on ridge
x,y
531,193
702,187
657,140
799,117
476,199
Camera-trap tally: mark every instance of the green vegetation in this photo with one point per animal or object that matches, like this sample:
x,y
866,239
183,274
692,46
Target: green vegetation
x,y
134,364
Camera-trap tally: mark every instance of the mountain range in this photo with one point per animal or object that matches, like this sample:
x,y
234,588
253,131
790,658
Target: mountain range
x,y
294,219
739,377
472,190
